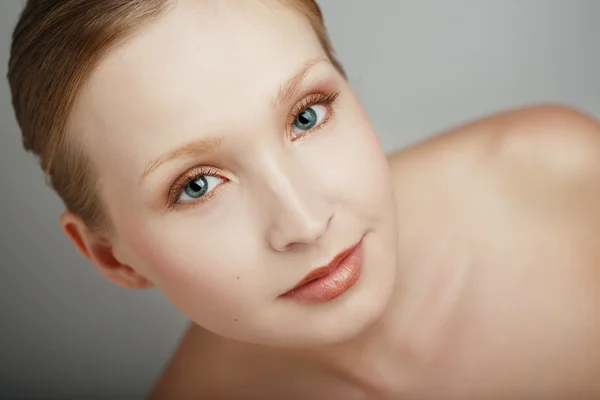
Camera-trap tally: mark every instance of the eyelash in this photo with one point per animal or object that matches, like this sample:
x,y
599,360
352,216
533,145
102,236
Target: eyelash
x,y
188,177
319,98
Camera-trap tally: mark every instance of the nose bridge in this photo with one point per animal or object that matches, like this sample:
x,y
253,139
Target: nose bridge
x,y
298,211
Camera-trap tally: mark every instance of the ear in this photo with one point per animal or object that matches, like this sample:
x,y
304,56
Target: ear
x,y
101,253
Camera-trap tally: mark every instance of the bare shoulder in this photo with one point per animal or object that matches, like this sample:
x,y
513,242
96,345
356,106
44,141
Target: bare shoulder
x,y
556,146
206,366
547,134
528,178
193,369
520,191
547,157
554,140
537,167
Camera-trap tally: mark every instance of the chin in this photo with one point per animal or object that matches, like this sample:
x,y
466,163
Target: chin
x,y
345,321
371,297
346,317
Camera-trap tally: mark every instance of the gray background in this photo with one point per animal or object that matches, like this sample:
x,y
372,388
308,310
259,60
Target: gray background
x,y
420,66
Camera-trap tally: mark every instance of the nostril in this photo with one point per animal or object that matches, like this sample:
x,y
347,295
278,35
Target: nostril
x,y
300,225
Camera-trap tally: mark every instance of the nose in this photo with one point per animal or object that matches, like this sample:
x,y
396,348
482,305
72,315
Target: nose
x,y
299,212
297,223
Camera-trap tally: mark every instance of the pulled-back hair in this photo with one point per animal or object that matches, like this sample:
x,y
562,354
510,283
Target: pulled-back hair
x,y
56,45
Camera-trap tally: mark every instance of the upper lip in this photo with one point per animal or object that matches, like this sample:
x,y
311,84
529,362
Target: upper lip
x,y
325,270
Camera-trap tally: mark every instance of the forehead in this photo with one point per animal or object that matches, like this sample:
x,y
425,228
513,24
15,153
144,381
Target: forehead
x,y
203,60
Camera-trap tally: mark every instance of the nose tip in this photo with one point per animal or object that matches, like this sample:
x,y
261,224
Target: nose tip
x,y
303,230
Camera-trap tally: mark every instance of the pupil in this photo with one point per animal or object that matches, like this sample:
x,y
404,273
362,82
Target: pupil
x,y
304,120
197,188
307,119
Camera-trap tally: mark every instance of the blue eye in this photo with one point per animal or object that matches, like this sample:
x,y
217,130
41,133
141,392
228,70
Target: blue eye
x,y
199,187
309,118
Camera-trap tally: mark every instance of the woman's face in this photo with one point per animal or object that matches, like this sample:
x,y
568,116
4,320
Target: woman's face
x,y
234,159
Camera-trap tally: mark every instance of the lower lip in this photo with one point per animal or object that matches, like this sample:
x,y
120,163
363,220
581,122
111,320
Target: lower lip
x,y
333,285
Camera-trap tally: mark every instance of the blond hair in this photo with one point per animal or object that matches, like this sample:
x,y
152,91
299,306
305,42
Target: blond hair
x,y
56,45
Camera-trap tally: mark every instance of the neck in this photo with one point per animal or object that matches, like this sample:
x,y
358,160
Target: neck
x,y
376,360
412,333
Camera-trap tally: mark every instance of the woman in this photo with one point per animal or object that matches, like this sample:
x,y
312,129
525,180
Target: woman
x,y
214,149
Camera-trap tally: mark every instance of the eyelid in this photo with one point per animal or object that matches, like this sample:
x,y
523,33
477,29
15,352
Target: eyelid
x,y
194,173
325,98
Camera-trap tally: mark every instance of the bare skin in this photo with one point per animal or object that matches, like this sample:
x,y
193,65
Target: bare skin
x,y
232,159
499,239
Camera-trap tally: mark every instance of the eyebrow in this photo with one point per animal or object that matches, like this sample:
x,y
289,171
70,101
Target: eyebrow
x,y
292,85
286,91
190,148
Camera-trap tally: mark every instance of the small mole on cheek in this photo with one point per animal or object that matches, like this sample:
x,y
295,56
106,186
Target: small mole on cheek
x,y
235,320
238,278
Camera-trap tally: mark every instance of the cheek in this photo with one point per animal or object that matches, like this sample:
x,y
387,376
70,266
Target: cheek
x,y
356,164
355,139
367,177
195,267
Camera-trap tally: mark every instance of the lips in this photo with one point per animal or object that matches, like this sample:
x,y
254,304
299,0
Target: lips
x,y
332,280
325,270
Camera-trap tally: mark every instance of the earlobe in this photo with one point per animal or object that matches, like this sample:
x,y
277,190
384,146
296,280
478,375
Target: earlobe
x,y
101,253
73,225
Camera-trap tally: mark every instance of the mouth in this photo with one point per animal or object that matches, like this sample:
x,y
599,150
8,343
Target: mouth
x,y
332,280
